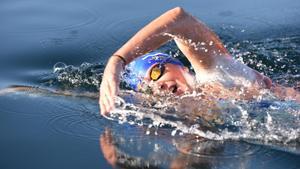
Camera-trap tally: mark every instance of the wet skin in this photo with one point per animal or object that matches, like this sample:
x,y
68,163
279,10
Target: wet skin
x,y
175,79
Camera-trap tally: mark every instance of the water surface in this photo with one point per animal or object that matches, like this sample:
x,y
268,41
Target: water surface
x,y
52,131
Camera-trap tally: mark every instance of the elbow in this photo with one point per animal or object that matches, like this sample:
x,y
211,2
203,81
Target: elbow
x,y
178,12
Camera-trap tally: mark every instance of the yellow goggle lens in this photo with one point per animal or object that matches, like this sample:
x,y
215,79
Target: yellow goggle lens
x,y
155,73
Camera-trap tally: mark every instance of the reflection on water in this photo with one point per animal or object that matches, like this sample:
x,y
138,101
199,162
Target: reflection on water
x,y
124,152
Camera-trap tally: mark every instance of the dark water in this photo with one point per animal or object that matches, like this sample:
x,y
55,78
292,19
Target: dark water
x,y
48,131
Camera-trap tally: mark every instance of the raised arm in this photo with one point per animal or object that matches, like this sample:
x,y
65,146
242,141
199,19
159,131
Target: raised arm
x,y
193,38
198,43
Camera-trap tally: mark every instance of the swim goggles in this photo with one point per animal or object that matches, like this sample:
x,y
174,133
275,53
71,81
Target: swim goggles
x,y
157,71
145,65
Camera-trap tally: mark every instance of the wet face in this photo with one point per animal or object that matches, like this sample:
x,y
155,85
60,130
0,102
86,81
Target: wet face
x,y
175,79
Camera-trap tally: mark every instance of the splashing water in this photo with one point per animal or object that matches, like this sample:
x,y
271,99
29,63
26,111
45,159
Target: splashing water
x,y
87,75
266,120
277,58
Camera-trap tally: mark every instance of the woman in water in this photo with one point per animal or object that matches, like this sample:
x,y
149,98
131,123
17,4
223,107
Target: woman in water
x,y
215,70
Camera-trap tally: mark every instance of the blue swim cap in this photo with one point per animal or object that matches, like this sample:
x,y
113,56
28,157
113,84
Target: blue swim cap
x,y
136,71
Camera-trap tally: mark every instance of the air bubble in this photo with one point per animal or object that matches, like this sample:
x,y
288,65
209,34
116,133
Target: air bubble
x,y
59,66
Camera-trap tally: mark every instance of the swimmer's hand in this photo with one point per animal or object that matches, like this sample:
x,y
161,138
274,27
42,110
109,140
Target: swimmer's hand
x,y
110,84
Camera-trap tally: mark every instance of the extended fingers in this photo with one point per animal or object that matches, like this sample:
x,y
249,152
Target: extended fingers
x,y
109,86
103,100
102,107
113,90
103,103
107,93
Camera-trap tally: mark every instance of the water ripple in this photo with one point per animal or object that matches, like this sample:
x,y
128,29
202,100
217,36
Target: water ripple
x,y
122,29
76,120
22,102
34,17
221,150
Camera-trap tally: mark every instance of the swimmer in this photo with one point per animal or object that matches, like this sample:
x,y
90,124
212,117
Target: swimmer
x,y
215,70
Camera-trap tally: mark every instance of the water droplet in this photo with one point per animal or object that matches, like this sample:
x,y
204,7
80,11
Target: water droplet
x,y
173,132
59,66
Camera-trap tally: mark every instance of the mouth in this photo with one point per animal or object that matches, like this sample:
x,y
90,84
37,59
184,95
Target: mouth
x,y
174,88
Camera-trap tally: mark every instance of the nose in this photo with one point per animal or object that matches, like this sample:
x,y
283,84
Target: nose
x,y
163,86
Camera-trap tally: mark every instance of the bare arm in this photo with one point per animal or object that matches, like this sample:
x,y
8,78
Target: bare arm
x,y
198,43
193,38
